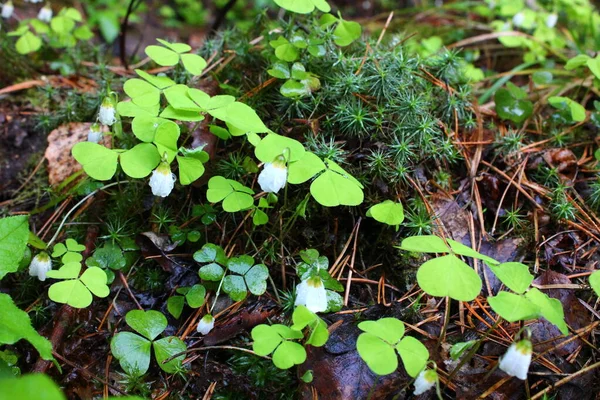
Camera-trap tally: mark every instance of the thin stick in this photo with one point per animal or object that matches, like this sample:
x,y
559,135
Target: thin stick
x,y
387,24
77,205
351,269
566,380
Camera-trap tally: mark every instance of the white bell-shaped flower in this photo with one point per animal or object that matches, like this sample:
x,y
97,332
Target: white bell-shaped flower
x,y
206,324
94,134
273,176
45,14
162,180
519,19
312,294
40,265
517,358
425,381
7,10
107,112
551,20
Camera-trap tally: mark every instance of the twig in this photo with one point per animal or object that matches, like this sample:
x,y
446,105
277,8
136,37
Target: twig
x,y
566,380
351,268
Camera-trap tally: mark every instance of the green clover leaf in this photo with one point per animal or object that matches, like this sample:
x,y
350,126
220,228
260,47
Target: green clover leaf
x,y
276,339
235,196
449,276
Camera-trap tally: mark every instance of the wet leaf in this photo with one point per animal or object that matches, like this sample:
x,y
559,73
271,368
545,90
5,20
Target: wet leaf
x,y
132,351
167,347
551,309
378,355
289,354
390,330
509,107
211,253
595,282
414,355
424,244
195,297
98,162
513,307
514,275
387,212
14,234
175,305
148,323
449,276
211,272
107,256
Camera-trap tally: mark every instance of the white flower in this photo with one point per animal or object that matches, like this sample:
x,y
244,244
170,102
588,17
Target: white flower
x,y
162,180
206,324
40,265
273,176
106,114
94,134
518,19
425,381
7,9
45,14
312,294
551,20
517,358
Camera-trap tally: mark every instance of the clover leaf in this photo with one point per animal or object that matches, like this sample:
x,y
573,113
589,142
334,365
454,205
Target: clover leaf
x,y
284,50
576,110
303,6
277,339
97,161
551,309
239,117
434,244
511,103
303,318
76,290
190,169
235,196
595,282
336,187
146,92
449,276
194,296
249,277
380,342
107,256
514,275
172,53
139,161
274,145
533,304
388,212
133,351
513,307
213,255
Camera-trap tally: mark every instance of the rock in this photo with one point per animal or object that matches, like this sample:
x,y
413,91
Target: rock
x,y
61,163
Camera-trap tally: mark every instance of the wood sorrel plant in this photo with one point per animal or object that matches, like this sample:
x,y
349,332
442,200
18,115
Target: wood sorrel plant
x,y
449,276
